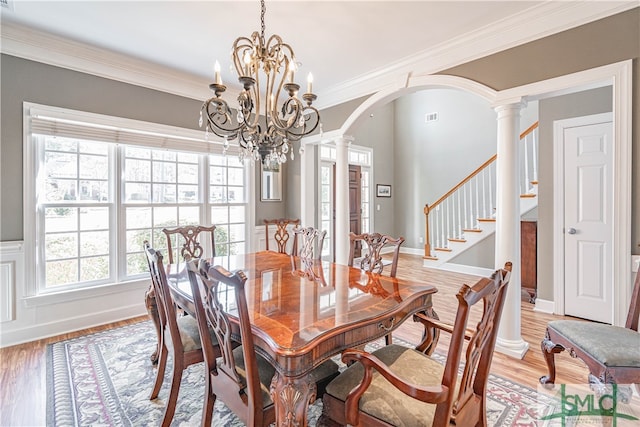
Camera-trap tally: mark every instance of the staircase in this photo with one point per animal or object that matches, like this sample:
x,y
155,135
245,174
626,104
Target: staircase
x,y
465,215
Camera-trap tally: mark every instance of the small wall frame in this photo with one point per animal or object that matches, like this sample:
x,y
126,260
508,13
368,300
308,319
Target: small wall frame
x,y
383,190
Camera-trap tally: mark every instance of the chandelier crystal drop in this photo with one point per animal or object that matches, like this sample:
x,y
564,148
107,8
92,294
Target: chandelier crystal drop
x,y
264,128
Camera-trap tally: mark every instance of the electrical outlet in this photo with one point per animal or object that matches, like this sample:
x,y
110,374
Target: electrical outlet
x,y
420,240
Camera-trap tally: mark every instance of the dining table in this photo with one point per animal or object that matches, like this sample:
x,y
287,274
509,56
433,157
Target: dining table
x,y
304,312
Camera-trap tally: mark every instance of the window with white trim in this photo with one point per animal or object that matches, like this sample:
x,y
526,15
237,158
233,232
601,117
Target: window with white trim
x,y
103,185
326,207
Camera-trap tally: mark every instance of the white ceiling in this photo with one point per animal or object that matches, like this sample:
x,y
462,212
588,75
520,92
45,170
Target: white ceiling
x,y
351,47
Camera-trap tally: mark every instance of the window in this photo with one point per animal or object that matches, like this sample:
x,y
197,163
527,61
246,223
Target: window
x,y
103,185
76,204
326,206
227,195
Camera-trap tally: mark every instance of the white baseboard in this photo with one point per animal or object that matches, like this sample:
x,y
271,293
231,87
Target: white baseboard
x,y
544,306
38,331
466,269
411,251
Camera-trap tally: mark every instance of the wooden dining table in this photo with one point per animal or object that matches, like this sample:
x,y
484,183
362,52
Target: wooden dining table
x,y
304,312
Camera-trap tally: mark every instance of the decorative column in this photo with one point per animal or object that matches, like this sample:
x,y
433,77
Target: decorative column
x,y
341,237
308,186
509,340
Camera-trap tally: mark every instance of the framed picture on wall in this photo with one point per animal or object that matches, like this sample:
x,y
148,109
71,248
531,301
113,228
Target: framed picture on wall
x,y
383,190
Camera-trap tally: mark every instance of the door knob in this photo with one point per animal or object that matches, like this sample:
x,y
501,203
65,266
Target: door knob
x,y
571,230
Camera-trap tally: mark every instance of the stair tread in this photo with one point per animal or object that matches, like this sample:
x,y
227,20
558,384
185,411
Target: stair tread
x,y
472,230
451,239
443,249
434,258
487,219
527,196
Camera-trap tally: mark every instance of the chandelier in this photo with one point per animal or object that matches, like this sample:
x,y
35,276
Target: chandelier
x,y
264,127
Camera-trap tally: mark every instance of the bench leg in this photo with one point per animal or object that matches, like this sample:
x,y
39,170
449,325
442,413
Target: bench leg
x,y
549,350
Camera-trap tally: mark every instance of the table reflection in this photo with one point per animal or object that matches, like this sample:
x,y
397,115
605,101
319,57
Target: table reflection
x,y
299,304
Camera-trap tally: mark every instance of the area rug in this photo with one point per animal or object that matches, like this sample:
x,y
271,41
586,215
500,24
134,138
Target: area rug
x,y
104,379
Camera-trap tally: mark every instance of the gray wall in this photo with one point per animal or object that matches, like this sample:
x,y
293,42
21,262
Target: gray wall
x,y
23,80
423,161
606,41
377,133
430,158
562,107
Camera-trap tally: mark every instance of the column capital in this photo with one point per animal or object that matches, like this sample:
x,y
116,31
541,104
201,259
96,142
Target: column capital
x,y
512,107
346,140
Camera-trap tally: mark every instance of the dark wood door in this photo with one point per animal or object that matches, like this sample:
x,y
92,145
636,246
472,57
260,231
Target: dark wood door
x,y
355,204
529,258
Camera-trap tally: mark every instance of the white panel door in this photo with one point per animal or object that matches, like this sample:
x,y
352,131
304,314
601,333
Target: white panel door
x,y
588,228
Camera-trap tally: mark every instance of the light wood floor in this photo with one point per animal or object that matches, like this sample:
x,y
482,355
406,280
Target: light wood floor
x,y
23,367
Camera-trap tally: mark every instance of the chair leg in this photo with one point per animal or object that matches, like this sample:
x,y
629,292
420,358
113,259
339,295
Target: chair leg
x,y
549,350
388,339
170,409
162,365
209,402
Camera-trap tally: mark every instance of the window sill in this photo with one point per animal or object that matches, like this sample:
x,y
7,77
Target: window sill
x,y
83,294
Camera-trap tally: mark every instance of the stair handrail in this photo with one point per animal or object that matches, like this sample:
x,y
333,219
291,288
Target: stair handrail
x,y
428,208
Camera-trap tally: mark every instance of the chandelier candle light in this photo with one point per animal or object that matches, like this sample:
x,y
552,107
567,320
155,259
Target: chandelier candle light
x,y
266,135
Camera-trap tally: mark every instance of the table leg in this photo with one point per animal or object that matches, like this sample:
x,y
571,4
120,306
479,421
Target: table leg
x,y
292,397
430,335
152,308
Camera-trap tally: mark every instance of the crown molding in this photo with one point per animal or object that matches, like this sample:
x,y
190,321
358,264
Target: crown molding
x,y
536,22
39,46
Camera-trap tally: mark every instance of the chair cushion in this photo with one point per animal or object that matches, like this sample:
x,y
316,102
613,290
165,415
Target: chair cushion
x,y
266,371
189,334
613,346
382,400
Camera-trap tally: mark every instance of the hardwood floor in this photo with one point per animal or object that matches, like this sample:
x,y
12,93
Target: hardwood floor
x,y
23,367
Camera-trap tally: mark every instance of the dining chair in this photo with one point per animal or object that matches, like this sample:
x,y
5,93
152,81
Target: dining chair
x,y
185,240
281,234
241,377
401,386
311,242
373,244
611,353
179,335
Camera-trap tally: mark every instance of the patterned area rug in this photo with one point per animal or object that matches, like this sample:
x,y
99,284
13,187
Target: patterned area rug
x,y
105,379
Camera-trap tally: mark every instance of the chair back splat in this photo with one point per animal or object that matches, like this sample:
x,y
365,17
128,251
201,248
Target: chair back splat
x,y
236,378
240,377
372,259
308,242
634,307
397,385
281,234
186,242
178,337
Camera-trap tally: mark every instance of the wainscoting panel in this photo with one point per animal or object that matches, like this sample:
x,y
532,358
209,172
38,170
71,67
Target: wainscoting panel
x,y
11,271
7,291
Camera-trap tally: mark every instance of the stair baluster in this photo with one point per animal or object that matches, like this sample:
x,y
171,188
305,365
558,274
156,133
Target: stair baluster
x,y
473,199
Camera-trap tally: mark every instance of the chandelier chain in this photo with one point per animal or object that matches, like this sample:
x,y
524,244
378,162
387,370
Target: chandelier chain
x,y
263,10
265,129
